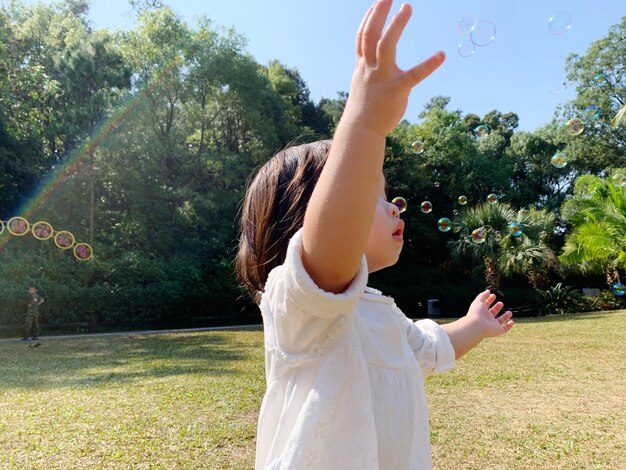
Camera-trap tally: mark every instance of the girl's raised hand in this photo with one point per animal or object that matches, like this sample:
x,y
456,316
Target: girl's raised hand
x,y
380,89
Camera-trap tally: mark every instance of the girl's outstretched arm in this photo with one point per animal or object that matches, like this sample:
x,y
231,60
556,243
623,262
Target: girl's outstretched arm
x,y
340,213
481,321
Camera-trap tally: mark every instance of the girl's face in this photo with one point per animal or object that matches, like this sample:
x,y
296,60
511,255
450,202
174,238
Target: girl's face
x,y
385,240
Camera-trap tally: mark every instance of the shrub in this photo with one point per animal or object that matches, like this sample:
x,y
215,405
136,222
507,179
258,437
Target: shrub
x,y
560,299
607,301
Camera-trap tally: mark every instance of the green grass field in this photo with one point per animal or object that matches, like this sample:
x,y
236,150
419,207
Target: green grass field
x,y
549,395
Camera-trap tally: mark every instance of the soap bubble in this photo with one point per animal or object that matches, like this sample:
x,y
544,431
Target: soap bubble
x,y
482,131
560,23
462,200
455,212
497,235
575,126
492,198
418,146
601,80
444,224
559,160
619,179
400,203
426,207
592,112
466,48
479,235
465,24
618,289
554,89
484,33
437,184
516,229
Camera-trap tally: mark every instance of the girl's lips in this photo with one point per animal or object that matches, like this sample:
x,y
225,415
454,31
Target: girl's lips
x,y
399,230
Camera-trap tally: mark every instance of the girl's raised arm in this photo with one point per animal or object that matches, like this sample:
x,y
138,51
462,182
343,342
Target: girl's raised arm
x,y
341,210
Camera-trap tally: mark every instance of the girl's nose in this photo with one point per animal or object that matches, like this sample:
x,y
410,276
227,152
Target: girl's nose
x,y
395,212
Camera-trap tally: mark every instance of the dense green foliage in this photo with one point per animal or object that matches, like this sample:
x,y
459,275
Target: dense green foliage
x,y
140,142
560,299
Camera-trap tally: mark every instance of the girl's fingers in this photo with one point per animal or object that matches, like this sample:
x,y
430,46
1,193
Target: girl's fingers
x,y
505,317
359,33
391,35
418,73
507,326
372,30
496,308
483,296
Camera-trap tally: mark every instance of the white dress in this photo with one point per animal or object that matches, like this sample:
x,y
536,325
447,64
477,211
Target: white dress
x,y
345,376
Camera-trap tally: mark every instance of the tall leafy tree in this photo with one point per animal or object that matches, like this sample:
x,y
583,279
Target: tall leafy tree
x,y
600,79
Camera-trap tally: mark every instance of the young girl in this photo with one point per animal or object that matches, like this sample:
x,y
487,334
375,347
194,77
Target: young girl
x,y
345,367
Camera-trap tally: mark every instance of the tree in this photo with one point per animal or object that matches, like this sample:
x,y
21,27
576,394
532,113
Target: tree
x,y
600,79
597,215
481,229
529,253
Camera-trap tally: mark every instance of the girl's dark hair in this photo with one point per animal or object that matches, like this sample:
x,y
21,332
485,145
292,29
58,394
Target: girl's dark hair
x,y
273,210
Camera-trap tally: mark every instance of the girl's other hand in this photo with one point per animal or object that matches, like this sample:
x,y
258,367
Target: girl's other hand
x,y
485,312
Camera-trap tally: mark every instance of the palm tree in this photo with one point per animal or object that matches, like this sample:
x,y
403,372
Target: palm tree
x,y
494,220
597,213
529,253
505,251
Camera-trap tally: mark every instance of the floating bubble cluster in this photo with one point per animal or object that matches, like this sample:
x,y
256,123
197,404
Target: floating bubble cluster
x,y
479,33
426,207
400,203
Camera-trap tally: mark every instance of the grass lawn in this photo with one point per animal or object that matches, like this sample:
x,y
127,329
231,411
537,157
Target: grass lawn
x,y
549,395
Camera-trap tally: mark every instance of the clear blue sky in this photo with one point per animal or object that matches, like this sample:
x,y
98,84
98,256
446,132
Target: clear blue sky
x,y
518,72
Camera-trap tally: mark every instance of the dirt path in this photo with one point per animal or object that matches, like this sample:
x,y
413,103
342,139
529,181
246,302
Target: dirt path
x,y
128,333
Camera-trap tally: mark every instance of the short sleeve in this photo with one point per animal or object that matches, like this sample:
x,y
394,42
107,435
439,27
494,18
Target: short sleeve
x,y
431,345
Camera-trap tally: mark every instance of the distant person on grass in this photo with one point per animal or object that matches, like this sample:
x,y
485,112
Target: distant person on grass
x,y
31,322
345,367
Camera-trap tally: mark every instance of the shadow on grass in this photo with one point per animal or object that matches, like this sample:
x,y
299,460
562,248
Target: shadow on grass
x,y
90,362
